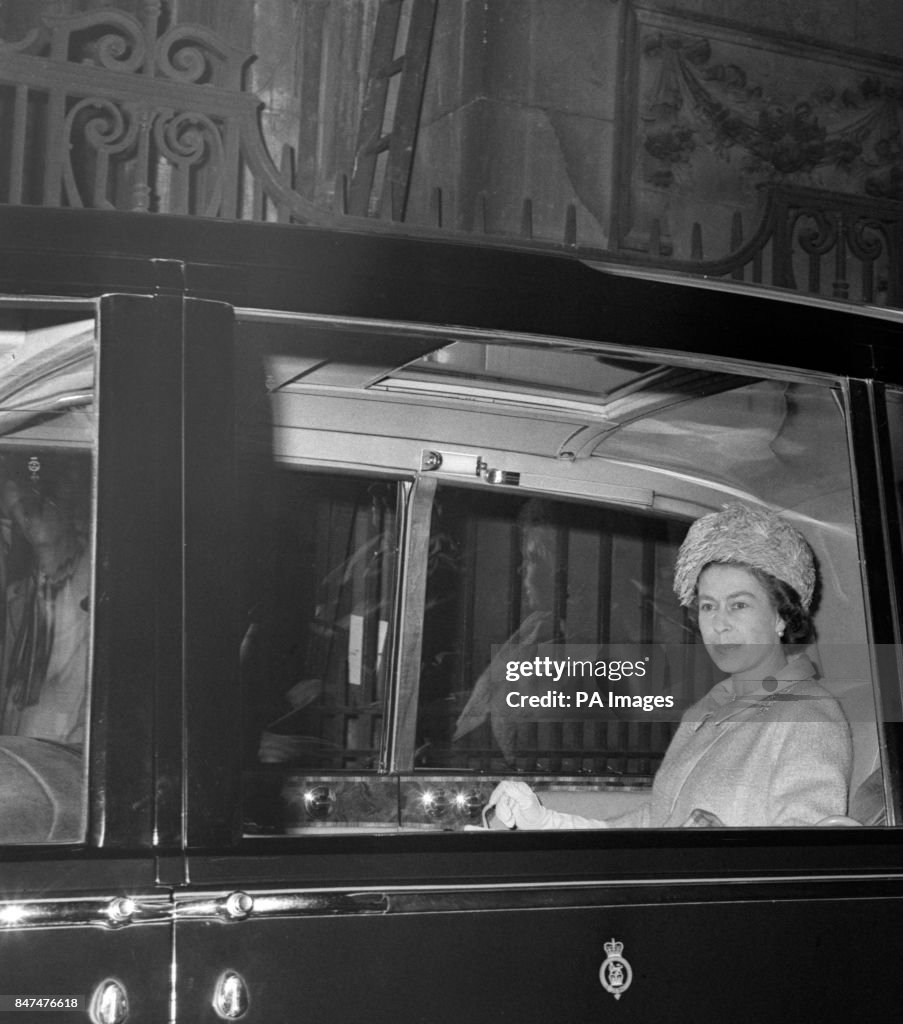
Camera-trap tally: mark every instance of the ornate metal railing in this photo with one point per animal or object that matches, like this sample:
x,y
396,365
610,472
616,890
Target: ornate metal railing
x,y
831,244
112,111
105,110
848,246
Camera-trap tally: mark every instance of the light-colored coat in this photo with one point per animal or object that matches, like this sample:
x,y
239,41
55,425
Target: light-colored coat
x,y
58,714
755,758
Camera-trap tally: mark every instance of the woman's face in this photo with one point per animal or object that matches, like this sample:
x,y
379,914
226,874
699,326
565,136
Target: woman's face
x,y
740,627
537,570
39,519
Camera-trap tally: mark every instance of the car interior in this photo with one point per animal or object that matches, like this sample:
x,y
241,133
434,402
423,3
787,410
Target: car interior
x,y
512,490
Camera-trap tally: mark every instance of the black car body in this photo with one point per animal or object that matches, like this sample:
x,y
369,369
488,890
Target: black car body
x,y
304,456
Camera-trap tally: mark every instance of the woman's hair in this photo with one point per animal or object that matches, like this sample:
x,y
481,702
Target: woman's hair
x,y
799,629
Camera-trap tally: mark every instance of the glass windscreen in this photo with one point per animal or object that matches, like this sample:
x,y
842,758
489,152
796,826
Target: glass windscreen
x,y
47,443
496,601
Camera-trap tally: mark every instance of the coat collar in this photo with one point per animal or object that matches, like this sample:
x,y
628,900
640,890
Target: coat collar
x,y
725,701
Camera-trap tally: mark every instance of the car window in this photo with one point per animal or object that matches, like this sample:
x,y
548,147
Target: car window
x,y
524,577
316,658
449,527
47,440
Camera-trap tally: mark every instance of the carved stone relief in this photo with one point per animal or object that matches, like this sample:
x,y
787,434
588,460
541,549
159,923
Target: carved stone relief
x,y
716,112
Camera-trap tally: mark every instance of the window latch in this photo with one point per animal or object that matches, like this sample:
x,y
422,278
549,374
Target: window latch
x,y
467,465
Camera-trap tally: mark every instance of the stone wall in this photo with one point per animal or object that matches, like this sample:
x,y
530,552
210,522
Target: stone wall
x,y
633,119
531,115
648,121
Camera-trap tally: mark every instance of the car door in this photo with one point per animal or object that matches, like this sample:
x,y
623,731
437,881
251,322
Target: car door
x,y
91,655
355,564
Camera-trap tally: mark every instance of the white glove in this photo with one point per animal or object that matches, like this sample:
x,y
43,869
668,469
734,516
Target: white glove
x,y
517,806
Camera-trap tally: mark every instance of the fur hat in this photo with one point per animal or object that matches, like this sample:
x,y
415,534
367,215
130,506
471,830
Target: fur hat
x,y
746,536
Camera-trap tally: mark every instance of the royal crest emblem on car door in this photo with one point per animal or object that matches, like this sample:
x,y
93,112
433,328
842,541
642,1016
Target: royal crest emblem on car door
x,y
615,974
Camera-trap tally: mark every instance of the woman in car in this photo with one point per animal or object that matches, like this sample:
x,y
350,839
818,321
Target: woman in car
x,y
767,746
45,503
45,652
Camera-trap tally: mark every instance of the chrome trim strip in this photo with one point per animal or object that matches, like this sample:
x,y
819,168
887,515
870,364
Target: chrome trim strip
x,y
29,301
116,912
428,899
238,905
310,903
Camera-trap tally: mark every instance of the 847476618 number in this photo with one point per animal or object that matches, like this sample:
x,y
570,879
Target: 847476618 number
x,y
41,1002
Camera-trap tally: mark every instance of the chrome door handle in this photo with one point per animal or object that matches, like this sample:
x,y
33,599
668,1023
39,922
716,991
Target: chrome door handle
x,y
230,997
109,1003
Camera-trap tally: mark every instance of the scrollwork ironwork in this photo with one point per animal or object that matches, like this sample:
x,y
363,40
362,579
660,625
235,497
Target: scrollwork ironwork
x,y
34,42
132,118
110,39
194,55
109,132
819,235
191,141
867,238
